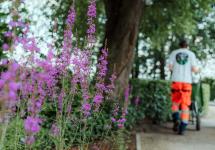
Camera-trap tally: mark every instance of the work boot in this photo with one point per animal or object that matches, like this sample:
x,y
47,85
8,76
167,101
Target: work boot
x,y
182,128
175,117
176,126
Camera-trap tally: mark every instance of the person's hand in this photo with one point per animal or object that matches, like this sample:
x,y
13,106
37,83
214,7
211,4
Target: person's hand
x,y
196,69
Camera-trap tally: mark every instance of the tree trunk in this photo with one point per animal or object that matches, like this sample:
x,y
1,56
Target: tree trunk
x,y
162,66
136,66
123,19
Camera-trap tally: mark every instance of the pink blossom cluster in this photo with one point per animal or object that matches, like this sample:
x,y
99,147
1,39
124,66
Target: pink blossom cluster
x,y
120,120
101,74
9,87
41,80
91,13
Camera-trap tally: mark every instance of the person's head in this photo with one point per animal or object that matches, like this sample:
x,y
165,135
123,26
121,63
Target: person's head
x,y
183,44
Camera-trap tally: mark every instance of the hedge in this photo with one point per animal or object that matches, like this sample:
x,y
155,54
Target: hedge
x,y
211,82
206,97
155,98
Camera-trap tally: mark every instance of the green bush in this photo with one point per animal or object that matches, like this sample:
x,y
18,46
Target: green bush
x,y
155,102
211,82
205,96
155,98
135,113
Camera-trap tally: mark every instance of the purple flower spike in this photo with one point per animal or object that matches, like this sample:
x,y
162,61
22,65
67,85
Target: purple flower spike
x,y
5,47
71,17
98,99
86,109
8,34
120,125
29,140
2,82
13,86
14,67
55,131
32,124
113,120
12,95
92,9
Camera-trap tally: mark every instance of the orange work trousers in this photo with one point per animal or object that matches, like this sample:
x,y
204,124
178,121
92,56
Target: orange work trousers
x,y
181,99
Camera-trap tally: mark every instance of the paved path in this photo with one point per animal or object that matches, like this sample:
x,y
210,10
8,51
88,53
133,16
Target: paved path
x,y
162,137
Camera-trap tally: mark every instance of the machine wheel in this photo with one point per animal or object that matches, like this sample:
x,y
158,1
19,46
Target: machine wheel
x,y
197,116
198,123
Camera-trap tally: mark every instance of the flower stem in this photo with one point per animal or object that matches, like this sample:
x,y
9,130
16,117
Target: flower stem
x,y
3,135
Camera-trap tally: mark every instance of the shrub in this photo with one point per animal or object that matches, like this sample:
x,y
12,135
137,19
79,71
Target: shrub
x,y
211,82
205,97
48,102
155,102
136,112
154,98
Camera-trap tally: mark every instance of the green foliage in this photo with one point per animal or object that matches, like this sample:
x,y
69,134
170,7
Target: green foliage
x,y
135,113
165,22
14,135
97,127
60,13
205,97
155,102
155,98
211,82
120,140
167,17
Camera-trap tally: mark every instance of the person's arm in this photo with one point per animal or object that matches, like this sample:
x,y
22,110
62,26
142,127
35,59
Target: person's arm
x,y
170,66
170,62
194,68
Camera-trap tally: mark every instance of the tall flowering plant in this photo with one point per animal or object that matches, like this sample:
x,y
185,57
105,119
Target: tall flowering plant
x,y
53,95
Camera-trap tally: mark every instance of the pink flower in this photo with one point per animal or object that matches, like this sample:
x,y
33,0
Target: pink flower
x,y
50,55
2,82
5,47
98,99
71,17
92,9
12,24
32,124
8,34
120,125
29,140
14,86
122,120
16,24
5,61
113,119
14,67
60,100
55,131
116,110
12,95
86,107
92,29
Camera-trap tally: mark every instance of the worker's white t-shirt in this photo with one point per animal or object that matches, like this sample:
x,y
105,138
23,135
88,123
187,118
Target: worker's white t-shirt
x,y
182,61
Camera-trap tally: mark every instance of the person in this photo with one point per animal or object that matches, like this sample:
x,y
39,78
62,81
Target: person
x,y
182,62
